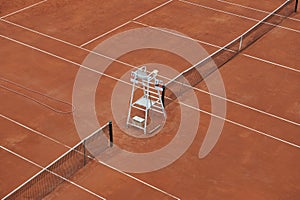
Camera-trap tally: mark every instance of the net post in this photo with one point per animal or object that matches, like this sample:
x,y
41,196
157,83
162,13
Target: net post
x,y
296,5
111,140
241,43
84,153
163,95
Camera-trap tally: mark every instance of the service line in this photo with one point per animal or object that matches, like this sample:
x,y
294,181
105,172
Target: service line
x,y
15,12
122,25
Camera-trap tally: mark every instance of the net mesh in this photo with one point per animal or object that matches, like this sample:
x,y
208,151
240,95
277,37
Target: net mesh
x,y
198,72
65,166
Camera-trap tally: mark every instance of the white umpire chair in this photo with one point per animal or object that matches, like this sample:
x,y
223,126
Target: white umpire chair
x,y
151,98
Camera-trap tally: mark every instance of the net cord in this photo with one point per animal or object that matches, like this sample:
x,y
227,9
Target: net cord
x,y
52,163
230,43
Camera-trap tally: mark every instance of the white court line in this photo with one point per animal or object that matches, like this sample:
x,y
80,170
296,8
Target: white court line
x,y
104,34
58,142
53,55
122,25
244,126
126,64
249,107
38,3
177,34
58,57
32,130
45,169
145,183
237,15
255,9
273,63
152,10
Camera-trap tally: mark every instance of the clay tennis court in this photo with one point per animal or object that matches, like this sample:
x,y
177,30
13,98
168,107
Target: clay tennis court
x,y
46,44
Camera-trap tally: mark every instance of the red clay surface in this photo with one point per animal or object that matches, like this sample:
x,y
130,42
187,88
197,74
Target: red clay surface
x,y
14,171
69,191
111,184
79,21
7,7
21,141
197,22
296,15
243,164
29,145
280,46
292,22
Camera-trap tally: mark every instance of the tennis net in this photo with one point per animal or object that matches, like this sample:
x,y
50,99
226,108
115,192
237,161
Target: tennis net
x,y
198,72
65,166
